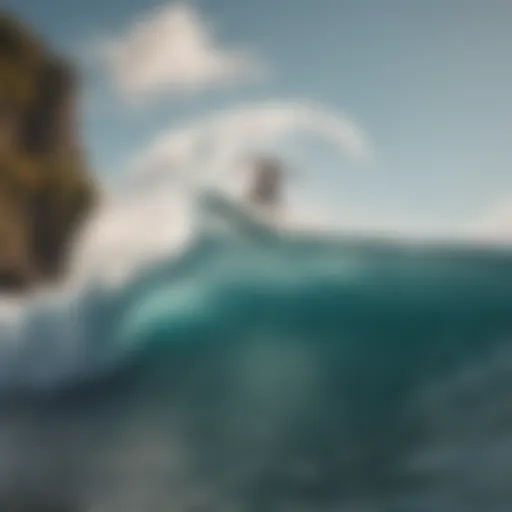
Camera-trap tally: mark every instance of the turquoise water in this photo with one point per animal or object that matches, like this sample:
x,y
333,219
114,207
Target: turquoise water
x,y
269,371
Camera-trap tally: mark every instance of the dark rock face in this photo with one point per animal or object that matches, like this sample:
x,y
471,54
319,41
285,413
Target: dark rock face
x,y
47,121
45,190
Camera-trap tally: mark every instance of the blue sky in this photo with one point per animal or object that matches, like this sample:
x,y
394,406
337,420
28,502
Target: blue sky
x,y
429,83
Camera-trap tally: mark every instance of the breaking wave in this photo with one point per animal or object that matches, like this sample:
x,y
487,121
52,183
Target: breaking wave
x,y
259,369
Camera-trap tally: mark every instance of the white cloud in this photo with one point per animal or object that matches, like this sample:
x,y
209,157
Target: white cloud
x,y
172,49
212,144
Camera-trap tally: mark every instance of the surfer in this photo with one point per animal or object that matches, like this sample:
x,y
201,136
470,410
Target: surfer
x,y
265,190
263,197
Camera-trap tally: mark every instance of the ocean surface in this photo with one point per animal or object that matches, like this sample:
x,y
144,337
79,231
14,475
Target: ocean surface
x,y
259,370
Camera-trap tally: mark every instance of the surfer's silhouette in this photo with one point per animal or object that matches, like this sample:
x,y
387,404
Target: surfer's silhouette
x,y
265,192
262,203
267,182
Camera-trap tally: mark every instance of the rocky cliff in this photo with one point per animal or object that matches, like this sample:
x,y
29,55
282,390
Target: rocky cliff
x,y
45,189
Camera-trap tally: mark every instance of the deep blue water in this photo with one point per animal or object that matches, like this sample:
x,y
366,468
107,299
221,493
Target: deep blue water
x,y
263,371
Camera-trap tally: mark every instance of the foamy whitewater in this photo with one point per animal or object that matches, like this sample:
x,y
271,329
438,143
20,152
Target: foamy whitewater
x,y
230,366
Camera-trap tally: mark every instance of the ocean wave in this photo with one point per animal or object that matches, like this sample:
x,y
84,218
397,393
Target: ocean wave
x,y
249,274
260,369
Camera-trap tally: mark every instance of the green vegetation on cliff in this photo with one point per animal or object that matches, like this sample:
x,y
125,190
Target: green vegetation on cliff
x,y
45,189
